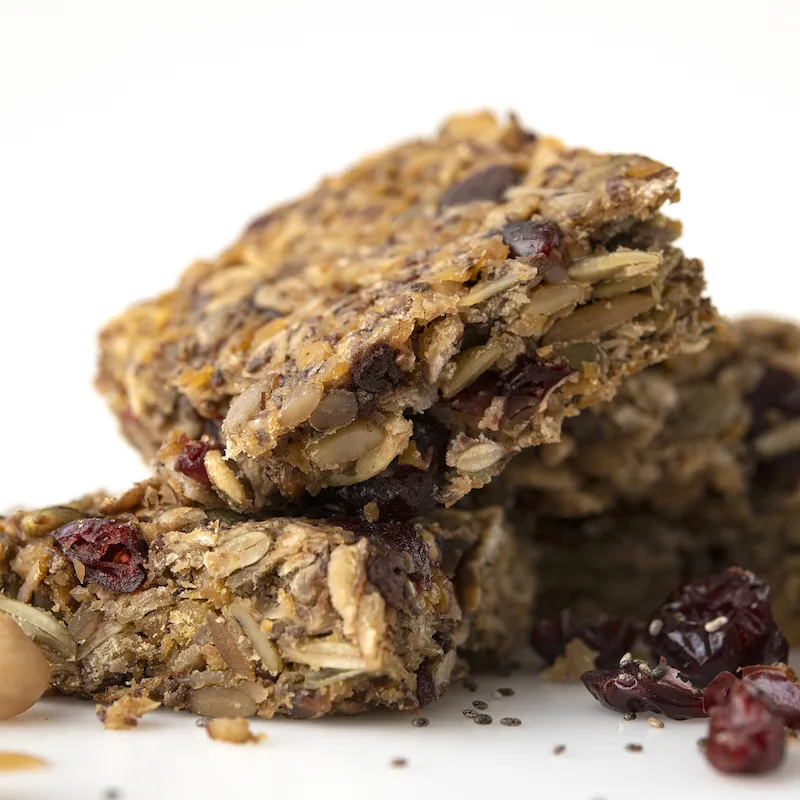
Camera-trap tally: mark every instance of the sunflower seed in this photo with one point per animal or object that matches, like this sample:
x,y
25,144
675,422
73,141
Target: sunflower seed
x,y
469,366
596,318
338,408
552,297
597,268
218,701
223,478
486,289
300,404
264,647
480,456
347,444
40,626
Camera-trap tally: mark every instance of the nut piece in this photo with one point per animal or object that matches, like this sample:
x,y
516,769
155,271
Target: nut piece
x,y
223,478
125,713
486,289
347,444
24,671
40,626
598,318
235,731
217,701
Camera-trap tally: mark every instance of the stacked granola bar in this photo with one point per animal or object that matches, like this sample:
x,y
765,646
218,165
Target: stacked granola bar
x,y
312,399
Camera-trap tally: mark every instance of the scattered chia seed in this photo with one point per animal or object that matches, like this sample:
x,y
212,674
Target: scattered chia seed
x,y
420,722
482,719
511,722
629,717
655,627
660,671
559,749
634,748
503,691
470,684
111,794
202,722
470,713
480,705
655,723
701,743
398,763
696,692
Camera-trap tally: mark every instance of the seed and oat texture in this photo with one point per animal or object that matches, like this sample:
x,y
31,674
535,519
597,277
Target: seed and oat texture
x,y
693,467
397,334
229,616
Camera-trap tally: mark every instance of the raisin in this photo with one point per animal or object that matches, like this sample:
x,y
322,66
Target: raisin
x,y
533,378
426,686
401,491
489,184
475,398
112,552
780,685
191,459
610,637
777,390
398,555
529,238
746,733
628,689
721,622
376,370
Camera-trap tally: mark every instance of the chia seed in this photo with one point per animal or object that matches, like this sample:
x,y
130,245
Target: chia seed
x,y
470,713
629,717
634,748
482,719
559,749
511,722
202,722
420,722
503,691
660,671
398,762
480,705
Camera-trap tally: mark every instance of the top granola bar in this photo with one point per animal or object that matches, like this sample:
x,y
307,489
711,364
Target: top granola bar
x,y
396,335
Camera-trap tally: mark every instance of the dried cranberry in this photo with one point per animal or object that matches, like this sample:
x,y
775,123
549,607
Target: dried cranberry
x,y
528,238
533,378
611,638
721,622
718,691
113,552
780,685
745,734
489,184
191,459
629,689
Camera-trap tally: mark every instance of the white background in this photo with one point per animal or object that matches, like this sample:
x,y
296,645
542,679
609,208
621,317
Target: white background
x,y
135,136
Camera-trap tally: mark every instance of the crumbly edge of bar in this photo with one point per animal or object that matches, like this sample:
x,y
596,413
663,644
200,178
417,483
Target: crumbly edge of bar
x,y
295,418
271,616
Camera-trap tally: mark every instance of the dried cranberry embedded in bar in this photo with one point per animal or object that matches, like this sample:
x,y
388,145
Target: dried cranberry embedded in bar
x,y
113,552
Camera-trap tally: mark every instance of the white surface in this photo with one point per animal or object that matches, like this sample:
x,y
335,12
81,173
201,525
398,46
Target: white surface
x,y
168,756
136,136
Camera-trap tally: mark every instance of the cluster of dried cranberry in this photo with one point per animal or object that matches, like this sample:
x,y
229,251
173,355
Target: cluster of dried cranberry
x,y
705,631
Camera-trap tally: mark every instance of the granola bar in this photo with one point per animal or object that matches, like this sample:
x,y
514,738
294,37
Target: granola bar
x,y
206,610
694,467
396,335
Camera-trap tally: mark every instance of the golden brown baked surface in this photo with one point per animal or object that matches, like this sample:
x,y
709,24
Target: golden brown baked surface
x,y
405,328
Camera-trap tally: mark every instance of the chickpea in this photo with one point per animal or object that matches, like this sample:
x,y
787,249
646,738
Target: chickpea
x,y
24,671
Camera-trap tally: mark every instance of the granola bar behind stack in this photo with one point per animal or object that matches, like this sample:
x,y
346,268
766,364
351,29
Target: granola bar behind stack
x,y
695,466
397,334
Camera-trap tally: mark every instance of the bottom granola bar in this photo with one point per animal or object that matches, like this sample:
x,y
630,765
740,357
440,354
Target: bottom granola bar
x,y
228,616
